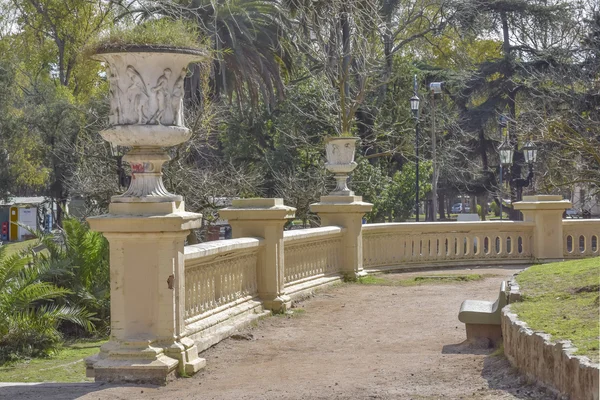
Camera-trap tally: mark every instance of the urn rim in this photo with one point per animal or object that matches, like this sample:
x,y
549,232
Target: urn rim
x,y
142,48
335,138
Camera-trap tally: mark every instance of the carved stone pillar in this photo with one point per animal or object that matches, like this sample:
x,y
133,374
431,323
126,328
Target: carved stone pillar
x,y
146,226
347,212
546,212
264,218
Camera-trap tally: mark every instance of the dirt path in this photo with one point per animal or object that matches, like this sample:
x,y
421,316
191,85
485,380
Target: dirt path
x,y
350,342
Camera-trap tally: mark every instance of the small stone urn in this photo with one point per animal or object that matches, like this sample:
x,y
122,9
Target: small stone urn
x,y
146,89
340,161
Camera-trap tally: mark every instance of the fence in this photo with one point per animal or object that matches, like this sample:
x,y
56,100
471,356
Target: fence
x,y
312,253
222,277
220,284
448,243
580,238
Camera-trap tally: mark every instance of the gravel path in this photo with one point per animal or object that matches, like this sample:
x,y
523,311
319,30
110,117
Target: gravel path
x,y
349,342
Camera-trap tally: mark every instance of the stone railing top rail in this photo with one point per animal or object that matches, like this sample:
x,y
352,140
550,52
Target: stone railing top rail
x,y
221,247
586,222
312,233
462,226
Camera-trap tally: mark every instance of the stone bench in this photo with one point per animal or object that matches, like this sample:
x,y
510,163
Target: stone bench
x,y
482,318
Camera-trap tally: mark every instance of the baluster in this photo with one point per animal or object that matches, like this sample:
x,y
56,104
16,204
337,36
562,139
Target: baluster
x,y
459,246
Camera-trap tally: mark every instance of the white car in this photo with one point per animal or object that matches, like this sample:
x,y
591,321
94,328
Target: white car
x,y
572,213
457,208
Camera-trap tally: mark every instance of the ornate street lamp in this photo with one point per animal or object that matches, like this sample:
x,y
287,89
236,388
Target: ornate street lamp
x,y
414,107
506,153
530,152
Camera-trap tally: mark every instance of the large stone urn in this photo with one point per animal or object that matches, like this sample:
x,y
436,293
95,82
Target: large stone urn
x,y
146,89
146,226
340,161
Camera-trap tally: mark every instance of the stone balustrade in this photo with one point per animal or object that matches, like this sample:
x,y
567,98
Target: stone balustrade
x,y
222,277
203,293
312,253
581,238
220,285
396,245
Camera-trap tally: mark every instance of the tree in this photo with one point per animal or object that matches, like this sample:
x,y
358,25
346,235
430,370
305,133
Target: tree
x,y
250,40
53,87
64,28
496,85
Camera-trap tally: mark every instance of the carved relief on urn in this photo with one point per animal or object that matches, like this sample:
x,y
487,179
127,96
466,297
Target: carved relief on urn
x,y
146,93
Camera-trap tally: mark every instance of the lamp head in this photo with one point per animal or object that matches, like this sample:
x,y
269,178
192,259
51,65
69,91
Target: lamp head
x,y
530,152
506,153
414,105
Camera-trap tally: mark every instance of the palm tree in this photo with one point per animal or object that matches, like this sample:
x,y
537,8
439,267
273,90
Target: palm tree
x,y
250,40
78,259
30,309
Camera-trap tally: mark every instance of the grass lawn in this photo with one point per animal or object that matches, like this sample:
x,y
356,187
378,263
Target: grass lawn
x,y
66,366
562,299
15,247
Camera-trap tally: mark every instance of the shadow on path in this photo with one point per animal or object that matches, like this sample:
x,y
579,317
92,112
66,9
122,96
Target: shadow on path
x,y
501,375
480,347
66,391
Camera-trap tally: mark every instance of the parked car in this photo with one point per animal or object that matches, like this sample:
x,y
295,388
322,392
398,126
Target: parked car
x,y
458,207
572,213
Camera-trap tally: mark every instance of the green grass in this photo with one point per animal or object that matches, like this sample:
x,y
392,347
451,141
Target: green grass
x,y
291,313
383,280
562,299
66,366
16,247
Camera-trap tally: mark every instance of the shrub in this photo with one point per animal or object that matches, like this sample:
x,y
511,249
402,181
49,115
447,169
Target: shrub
x,y
158,33
30,309
495,209
78,259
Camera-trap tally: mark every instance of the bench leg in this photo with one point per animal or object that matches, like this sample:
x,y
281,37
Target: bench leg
x,y
484,331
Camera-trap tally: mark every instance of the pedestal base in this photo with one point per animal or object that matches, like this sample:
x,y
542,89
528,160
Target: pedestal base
x,y
143,362
278,305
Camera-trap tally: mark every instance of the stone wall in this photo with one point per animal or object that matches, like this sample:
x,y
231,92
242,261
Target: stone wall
x,y
551,364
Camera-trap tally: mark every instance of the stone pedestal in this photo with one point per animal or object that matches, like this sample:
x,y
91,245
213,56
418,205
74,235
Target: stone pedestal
x,y
546,212
347,212
264,218
147,284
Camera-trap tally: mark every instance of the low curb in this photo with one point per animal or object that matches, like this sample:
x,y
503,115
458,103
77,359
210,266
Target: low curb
x,y
551,364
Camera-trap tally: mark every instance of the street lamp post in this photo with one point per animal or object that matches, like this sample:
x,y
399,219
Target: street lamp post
x,y
529,150
414,107
435,88
506,151
505,155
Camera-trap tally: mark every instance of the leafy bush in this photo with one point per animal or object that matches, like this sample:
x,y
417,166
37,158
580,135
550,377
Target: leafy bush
x,y
30,309
78,259
495,209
